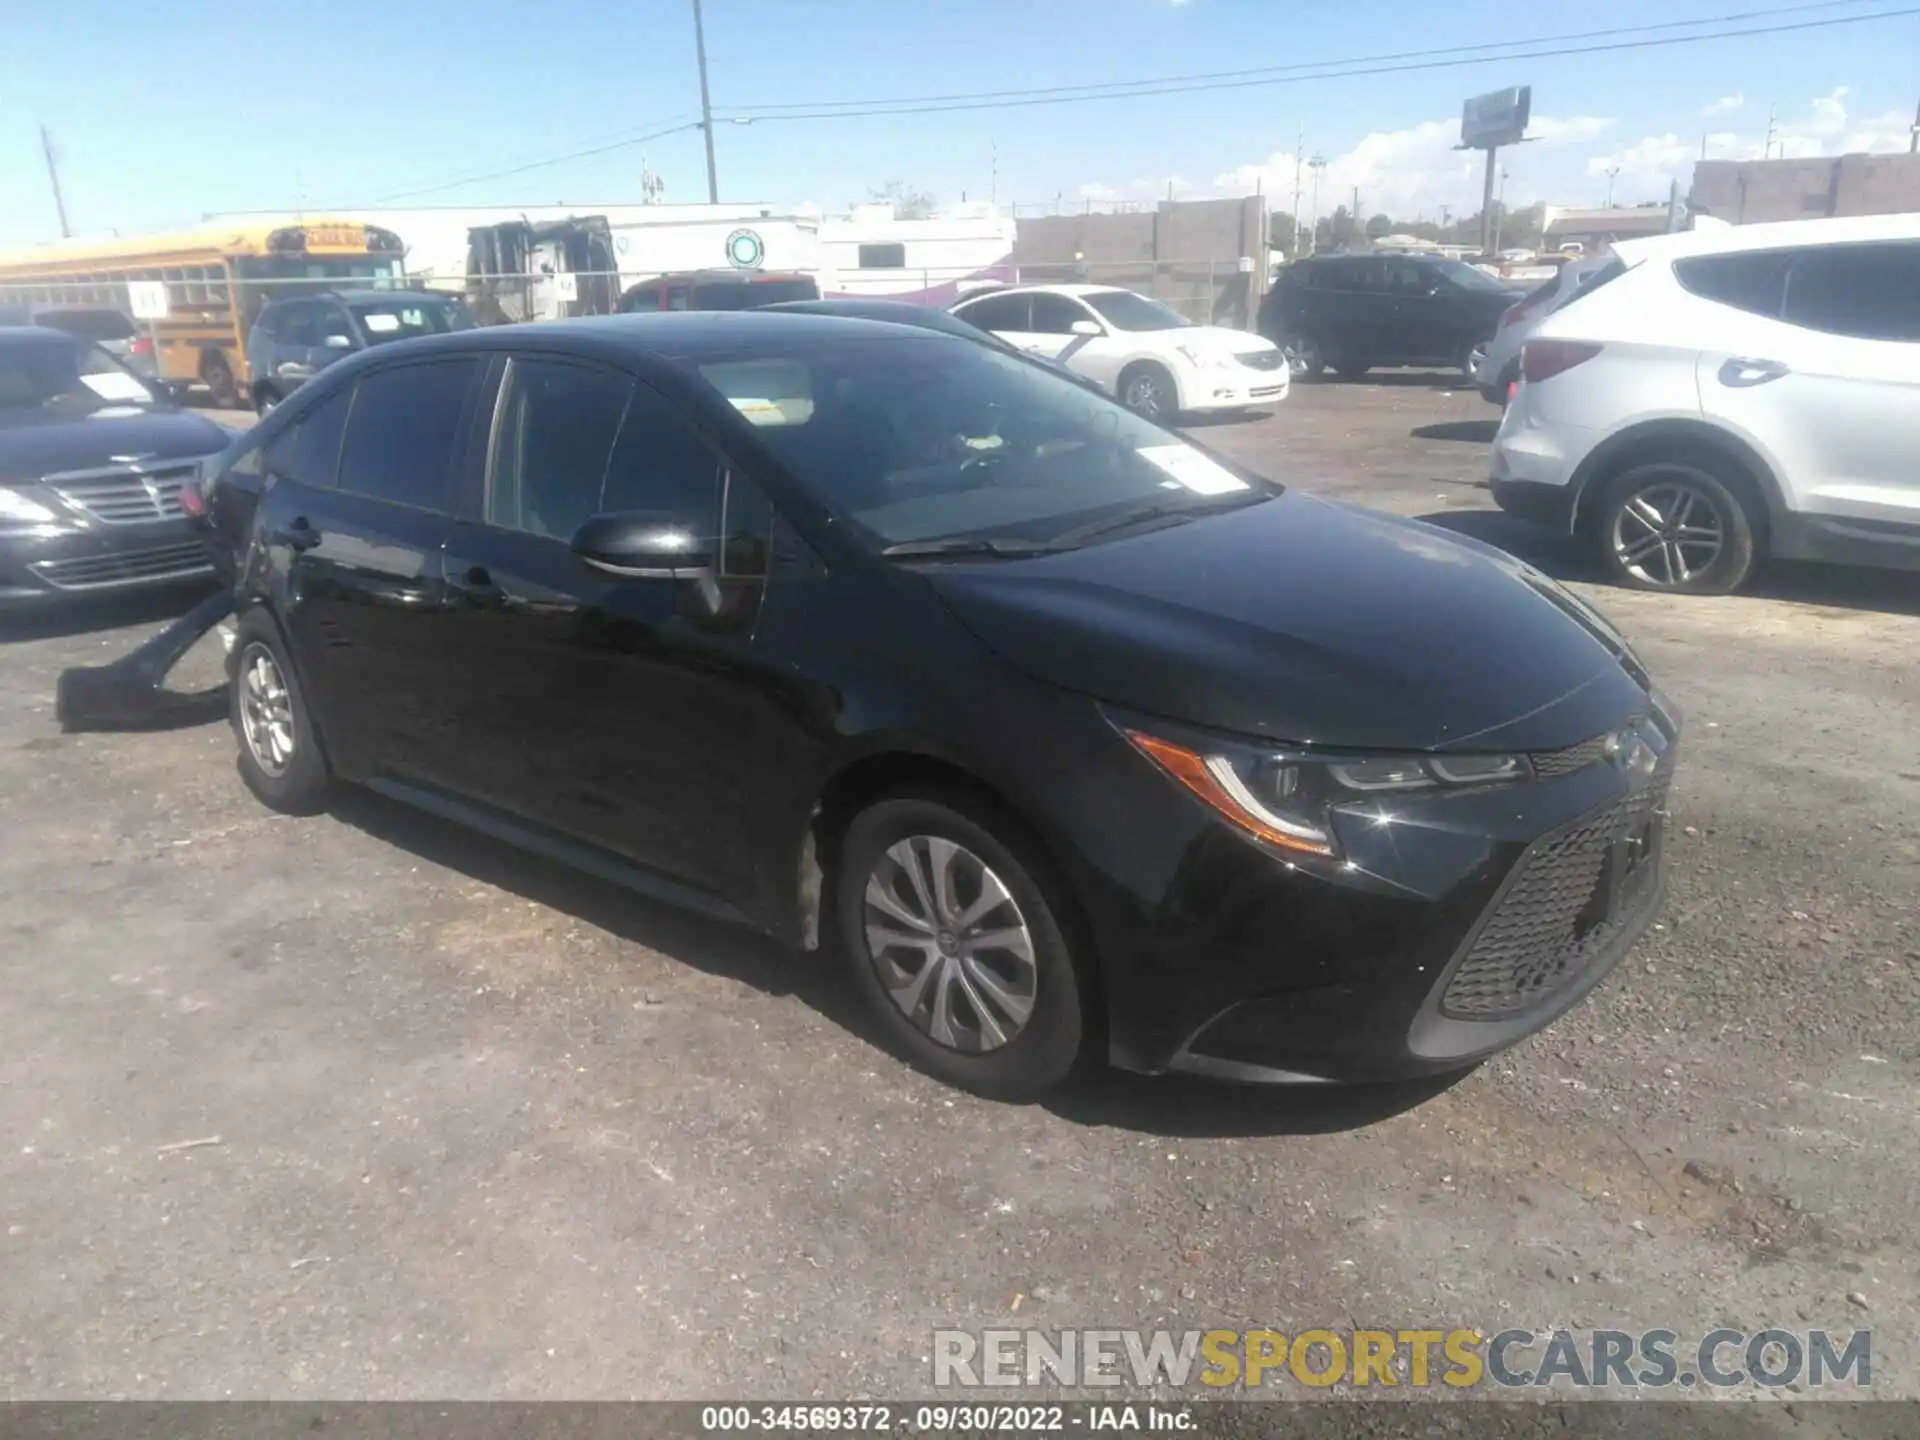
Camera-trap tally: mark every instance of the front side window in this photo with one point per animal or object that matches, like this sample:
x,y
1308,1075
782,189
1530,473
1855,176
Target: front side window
x,y
552,440
1125,310
1056,314
331,320
1869,292
404,430
295,326
314,457
916,439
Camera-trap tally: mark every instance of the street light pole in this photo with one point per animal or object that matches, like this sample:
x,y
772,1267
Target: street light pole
x,y
706,105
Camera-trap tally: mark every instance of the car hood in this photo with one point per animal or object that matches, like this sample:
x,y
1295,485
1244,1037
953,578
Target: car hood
x,y
1219,339
35,443
1311,622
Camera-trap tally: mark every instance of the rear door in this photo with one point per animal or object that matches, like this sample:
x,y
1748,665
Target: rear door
x,y
357,517
1420,315
1818,361
1349,312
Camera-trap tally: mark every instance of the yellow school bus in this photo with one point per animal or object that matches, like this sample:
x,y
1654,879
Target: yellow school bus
x,y
217,279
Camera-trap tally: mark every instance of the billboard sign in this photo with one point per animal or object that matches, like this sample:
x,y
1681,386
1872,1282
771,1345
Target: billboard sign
x,y
1496,119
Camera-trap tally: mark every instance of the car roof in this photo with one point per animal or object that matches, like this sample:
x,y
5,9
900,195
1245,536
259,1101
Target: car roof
x,y
1780,234
1061,289
363,297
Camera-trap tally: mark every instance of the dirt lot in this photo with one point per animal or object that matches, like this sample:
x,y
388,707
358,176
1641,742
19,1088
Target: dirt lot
x,y
476,1127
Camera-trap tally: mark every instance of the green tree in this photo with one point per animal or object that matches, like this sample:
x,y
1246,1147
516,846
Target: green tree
x,y
1378,226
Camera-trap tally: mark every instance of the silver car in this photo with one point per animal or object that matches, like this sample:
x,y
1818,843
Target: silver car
x,y
1499,370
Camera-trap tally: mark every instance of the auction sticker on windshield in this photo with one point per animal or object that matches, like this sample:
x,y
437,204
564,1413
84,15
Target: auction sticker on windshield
x,y
1192,468
381,323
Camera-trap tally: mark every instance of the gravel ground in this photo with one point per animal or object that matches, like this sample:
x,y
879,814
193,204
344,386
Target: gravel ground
x,y
366,1107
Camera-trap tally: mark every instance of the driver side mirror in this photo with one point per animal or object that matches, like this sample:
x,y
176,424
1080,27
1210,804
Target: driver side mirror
x,y
644,545
1089,328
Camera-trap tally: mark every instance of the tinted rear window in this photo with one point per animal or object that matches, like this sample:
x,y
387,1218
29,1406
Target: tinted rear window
x,y
403,431
1753,280
1870,292
751,294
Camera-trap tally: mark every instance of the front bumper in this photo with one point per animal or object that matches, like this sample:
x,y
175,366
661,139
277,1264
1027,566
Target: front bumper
x,y
1236,387
50,566
1451,931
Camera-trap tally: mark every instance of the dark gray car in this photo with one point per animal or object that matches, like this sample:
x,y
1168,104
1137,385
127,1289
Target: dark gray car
x,y
294,339
92,465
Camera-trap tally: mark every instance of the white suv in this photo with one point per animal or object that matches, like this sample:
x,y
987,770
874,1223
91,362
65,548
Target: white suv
x,y
1151,358
1718,396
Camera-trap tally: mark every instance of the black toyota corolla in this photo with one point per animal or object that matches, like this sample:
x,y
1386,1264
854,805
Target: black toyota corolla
x,y
1074,740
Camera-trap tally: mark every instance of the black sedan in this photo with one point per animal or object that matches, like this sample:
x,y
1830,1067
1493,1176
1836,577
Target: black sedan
x,y
1074,740
92,463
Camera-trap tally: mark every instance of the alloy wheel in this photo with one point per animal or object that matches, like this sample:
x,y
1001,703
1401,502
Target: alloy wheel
x,y
1666,533
949,944
1145,395
266,710
1476,357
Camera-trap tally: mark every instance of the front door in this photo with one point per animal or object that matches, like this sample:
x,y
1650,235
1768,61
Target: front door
x,y
625,712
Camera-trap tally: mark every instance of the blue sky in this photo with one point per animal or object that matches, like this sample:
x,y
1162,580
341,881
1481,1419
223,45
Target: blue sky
x,y
164,111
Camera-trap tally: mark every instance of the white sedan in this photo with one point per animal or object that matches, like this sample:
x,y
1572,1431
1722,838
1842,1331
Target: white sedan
x,y
1151,358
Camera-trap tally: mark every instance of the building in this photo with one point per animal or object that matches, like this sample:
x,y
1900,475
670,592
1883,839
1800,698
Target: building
x,y
1748,192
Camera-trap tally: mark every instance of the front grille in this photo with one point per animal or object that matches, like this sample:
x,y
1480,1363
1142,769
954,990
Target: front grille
x,y
126,567
1263,360
124,495
1554,915
1551,764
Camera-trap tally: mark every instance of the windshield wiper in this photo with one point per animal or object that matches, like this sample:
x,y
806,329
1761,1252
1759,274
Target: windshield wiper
x,y
1008,548
1140,514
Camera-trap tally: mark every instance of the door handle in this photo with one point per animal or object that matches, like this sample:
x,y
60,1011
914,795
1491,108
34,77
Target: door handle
x,y
298,534
1742,373
476,586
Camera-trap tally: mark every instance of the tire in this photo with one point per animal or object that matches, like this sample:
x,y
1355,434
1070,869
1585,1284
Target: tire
x,y
1472,355
1148,390
1351,370
1673,525
280,756
988,1046
218,376
1305,358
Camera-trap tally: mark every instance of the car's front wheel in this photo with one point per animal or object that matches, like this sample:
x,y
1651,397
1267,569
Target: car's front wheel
x,y
1147,389
1673,525
953,928
1304,357
280,757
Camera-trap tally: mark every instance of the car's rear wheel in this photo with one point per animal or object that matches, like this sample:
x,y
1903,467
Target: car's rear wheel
x,y
954,931
280,757
1673,525
1349,368
1148,390
1472,356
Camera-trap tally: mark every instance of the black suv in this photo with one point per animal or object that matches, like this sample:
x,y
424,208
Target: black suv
x,y
1070,738
1353,312
293,340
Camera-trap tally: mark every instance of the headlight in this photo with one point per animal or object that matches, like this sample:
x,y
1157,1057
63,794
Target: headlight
x,y
1287,799
17,512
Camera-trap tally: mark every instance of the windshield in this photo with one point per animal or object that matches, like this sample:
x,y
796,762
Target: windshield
x,y
1125,310
65,375
403,319
915,438
1469,278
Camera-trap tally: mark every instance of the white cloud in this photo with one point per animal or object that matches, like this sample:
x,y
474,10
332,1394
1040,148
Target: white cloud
x,y
1650,165
1726,104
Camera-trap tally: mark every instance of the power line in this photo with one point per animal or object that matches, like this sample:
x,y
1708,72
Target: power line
x,y
934,107
621,143
1120,89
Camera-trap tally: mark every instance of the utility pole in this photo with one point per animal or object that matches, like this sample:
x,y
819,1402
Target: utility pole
x,y
1317,165
53,176
1489,229
706,105
1299,158
993,174
1913,136
1612,172
1766,150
